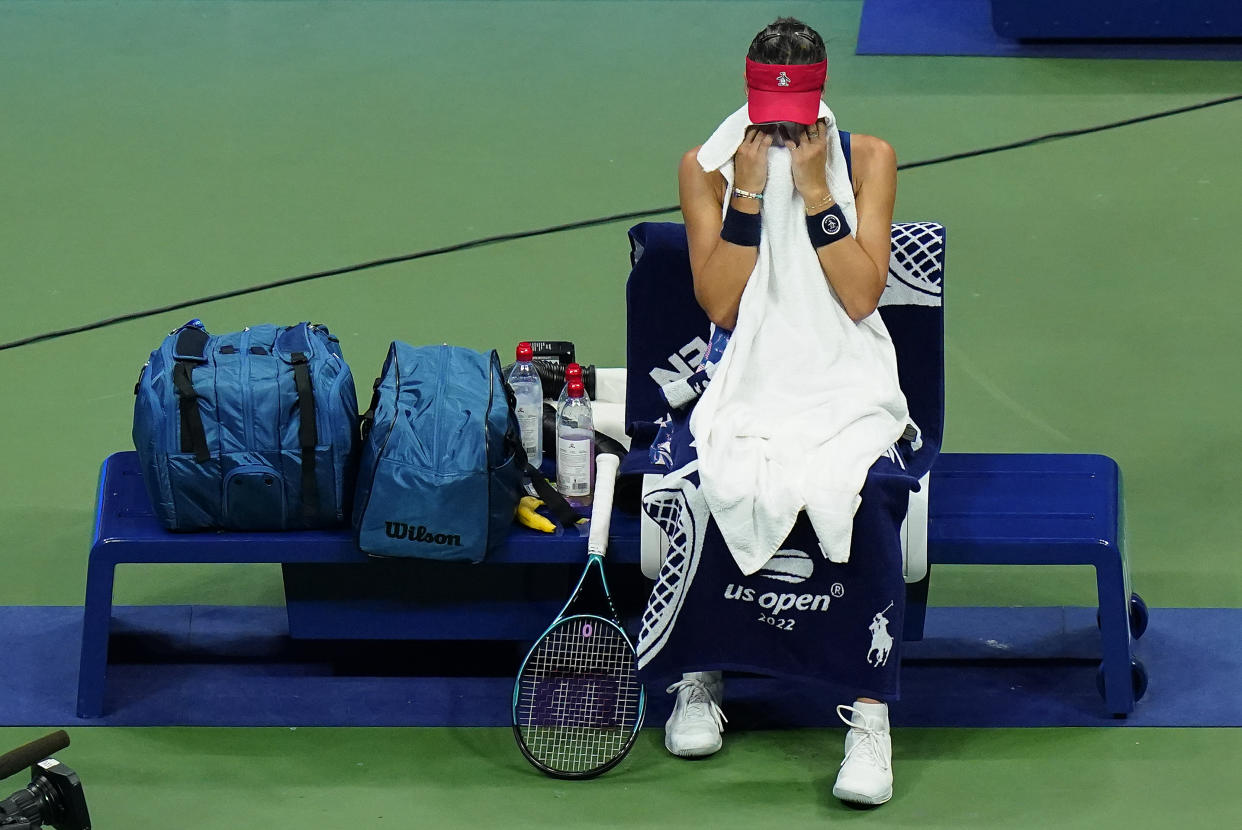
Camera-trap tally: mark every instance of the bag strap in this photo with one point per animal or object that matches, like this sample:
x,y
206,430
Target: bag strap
x,y
190,350
308,435
553,500
367,420
561,509
193,436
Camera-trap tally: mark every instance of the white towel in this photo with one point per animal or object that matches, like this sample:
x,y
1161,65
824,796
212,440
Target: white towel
x,y
804,399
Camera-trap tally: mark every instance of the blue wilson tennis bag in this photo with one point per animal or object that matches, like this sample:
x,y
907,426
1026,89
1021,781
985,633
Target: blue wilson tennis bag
x,y
253,430
442,463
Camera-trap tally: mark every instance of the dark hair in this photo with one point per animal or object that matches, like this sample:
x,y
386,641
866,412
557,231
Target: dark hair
x,y
788,41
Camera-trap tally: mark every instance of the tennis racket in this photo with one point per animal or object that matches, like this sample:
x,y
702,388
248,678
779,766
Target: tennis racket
x,y
577,702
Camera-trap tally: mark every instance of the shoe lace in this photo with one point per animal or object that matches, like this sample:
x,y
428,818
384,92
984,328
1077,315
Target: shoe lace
x,y
869,737
699,701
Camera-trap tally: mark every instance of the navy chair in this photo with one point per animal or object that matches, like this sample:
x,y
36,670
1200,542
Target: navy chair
x,y
973,508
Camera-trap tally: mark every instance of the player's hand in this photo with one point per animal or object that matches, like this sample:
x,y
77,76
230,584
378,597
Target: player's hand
x,y
809,154
750,162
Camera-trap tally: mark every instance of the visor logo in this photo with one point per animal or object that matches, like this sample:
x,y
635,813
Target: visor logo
x,y
783,80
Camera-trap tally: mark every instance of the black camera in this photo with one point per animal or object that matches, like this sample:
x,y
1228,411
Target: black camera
x,y
54,797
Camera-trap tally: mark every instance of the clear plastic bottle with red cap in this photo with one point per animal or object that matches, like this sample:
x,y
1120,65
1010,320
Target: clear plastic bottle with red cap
x,y
572,372
528,391
575,446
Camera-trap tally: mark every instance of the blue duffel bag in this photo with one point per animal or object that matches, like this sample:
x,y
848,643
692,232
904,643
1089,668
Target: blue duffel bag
x,y
254,430
442,463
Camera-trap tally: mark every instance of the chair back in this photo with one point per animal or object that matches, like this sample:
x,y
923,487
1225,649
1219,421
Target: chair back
x,y
667,332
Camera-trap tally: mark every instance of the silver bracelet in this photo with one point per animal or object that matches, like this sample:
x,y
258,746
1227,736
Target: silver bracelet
x,y
746,194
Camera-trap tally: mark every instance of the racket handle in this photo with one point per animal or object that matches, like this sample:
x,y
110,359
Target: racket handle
x,y
601,507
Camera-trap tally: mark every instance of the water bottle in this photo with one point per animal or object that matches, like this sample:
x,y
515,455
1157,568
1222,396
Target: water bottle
x,y
575,447
528,390
572,372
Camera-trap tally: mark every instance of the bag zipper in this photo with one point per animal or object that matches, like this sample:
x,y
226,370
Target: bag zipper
x,y
247,403
435,446
328,418
487,416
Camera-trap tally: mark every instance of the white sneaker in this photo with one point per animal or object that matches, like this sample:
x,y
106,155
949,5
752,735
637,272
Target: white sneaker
x,y
693,730
866,775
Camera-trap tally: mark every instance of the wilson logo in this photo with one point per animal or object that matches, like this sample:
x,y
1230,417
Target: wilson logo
x,y
401,530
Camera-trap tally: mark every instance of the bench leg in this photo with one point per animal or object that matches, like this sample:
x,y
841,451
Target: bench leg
x,y
1115,643
96,624
916,609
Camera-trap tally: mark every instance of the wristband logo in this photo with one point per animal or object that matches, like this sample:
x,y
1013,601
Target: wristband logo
x,y
831,225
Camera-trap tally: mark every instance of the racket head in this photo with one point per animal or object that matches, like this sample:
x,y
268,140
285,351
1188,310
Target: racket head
x,y
578,704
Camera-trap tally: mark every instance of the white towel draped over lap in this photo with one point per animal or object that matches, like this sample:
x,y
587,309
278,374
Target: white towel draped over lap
x,y
804,399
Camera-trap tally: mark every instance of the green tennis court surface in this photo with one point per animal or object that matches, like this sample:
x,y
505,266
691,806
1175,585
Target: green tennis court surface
x,y
161,151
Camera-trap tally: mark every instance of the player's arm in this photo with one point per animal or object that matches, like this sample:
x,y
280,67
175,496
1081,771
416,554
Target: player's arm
x,y
857,268
721,269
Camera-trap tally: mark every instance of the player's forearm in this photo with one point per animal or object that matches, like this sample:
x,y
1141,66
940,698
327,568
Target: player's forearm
x,y
720,281
853,276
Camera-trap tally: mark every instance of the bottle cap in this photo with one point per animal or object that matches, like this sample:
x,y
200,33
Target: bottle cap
x,y
572,371
524,351
575,389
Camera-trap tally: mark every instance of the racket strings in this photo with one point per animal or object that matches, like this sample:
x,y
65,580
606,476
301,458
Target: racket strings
x,y
580,702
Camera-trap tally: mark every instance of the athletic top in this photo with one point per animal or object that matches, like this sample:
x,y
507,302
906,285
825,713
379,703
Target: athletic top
x,y
845,148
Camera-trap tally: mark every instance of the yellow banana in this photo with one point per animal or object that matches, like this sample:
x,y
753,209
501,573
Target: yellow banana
x,y
526,515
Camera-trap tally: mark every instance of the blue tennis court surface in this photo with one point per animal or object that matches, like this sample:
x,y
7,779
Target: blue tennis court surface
x,y
235,666
964,27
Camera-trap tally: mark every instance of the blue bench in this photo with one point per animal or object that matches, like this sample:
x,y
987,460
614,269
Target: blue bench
x,y
512,597
1041,509
983,509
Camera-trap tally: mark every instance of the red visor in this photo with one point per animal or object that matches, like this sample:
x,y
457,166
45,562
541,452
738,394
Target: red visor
x,y
784,92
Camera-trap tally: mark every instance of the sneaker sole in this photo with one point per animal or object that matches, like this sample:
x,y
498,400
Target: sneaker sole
x,y
859,798
695,752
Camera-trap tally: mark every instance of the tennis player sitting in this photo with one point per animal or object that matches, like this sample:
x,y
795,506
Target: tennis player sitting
x,y
786,479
